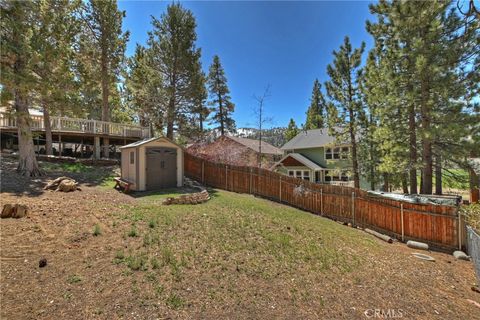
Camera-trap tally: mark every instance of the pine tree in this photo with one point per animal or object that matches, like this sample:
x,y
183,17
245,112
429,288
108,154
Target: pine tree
x,y
430,52
174,57
105,45
220,97
317,108
343,91
292,130
199,108
53,43
18,19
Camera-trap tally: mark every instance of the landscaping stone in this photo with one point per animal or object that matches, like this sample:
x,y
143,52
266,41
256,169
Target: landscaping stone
x,y
42,263
417,245
460,255
7,211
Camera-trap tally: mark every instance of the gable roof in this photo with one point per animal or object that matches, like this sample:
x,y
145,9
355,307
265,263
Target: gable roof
x,y
310,139
144,141
302,159
267,148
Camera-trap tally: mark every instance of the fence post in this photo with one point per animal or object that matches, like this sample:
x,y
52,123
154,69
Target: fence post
x,y
353,209
280,189
203,172
401,216
226,177
459,230
321,201
250,188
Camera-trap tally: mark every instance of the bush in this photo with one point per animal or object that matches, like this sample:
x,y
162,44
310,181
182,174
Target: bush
x,y
133,232
472,215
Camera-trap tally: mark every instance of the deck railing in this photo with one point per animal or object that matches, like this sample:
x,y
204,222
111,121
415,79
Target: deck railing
x,y
64,124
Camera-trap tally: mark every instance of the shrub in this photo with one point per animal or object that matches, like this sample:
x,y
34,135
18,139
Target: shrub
x,y
74,279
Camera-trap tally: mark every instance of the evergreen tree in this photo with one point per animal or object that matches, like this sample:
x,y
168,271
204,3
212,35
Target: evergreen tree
x,y
292,130
175,58
317,108
104,44
53,43
430,61
18,19
343,91
220,97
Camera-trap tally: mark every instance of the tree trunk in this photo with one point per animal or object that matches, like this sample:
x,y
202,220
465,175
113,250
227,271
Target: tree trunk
x,y
356,178
48,130
385,182
27,162
438,175
170,118
404,183
412,149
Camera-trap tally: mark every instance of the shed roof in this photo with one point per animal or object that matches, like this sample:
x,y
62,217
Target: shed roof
x,y
145,141
309,139
302,159
267,148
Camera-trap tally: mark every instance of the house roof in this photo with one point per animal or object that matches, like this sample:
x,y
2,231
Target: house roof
x,y
302,159
145,141
267,148
310,139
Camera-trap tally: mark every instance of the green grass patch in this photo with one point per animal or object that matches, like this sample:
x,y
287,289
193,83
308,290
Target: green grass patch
x,y
97,230
74,279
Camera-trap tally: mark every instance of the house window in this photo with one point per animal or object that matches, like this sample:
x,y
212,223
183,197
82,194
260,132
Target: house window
x,y
298,174
328,177
132,157
336,153
306,175
336,175
328,154
291,173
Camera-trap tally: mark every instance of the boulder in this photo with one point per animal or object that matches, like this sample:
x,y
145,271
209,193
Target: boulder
x,y
417,245
20,211
7,211
67,185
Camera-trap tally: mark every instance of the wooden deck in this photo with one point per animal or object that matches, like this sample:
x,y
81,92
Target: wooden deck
x,y
73,126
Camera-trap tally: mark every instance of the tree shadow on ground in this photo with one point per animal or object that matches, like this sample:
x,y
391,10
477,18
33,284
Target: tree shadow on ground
x,y
86,175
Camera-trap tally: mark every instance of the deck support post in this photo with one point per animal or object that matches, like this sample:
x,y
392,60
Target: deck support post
x,y
60,145
106,148
96,147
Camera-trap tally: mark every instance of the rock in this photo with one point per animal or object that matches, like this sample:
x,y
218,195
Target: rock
x,y
42,263
7,211
20,211
67,186
423,256
417,245
460,255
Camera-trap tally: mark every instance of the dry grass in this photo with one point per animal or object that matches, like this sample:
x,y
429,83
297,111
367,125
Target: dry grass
x,y
235,256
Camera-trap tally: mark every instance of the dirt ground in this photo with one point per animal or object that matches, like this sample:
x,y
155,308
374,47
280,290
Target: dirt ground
x,y
82,280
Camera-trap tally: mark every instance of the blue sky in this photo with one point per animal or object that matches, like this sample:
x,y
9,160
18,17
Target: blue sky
x,y
282,44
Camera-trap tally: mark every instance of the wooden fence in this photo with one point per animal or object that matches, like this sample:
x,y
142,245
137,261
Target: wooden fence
x,y
437,225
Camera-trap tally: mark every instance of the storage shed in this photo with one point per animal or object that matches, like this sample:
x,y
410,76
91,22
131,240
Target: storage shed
x,y
153,163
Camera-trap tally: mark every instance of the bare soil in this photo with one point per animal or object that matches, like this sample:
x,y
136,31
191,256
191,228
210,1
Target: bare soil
x,y
234,257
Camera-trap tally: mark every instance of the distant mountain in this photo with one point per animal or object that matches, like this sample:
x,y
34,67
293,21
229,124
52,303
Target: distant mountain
x,y
274,136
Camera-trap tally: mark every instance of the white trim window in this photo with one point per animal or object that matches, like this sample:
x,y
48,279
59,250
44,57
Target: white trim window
x,y
337,175
299,174
337,153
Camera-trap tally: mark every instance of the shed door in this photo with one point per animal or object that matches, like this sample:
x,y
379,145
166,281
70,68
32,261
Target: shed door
x,y
161,170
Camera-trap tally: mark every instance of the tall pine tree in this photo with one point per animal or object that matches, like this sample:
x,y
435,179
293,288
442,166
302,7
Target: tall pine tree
x,y
292,130
344,93
316,110
220,97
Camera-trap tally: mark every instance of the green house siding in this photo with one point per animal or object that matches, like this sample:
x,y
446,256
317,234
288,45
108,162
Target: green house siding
x,y
318,155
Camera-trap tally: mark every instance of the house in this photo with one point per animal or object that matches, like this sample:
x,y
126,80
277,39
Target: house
x,y
316,156
152,164
237,151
